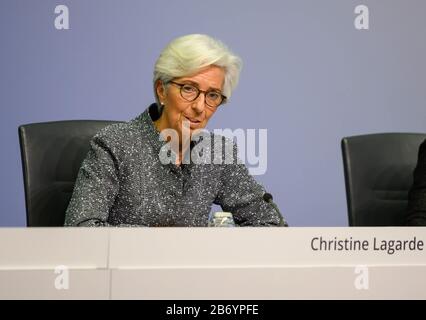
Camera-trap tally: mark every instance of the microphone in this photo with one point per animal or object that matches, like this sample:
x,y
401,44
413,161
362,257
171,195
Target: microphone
x,y
268,198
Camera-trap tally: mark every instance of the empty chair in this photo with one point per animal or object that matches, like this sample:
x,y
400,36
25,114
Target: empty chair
x,y
52,153
378,175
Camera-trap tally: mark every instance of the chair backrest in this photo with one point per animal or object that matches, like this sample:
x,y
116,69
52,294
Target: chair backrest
x,y
378,174
52,153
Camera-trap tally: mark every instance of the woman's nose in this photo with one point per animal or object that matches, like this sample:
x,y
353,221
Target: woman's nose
x,y
199,103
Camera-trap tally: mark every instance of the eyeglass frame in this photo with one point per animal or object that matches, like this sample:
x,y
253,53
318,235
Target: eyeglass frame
x,y
181,85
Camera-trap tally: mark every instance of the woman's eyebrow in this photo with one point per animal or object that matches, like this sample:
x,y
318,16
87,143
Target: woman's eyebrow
x,y
190,82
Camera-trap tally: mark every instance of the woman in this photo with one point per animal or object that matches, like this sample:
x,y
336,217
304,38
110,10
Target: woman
x,y
126,179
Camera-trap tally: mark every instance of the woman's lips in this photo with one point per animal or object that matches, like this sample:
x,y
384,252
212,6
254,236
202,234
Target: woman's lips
x,y
193,123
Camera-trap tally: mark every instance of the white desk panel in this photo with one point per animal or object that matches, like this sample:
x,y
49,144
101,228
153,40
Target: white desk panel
x,y
209,263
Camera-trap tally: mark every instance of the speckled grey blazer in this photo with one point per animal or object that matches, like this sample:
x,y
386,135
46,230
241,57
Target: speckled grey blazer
x,y
122,182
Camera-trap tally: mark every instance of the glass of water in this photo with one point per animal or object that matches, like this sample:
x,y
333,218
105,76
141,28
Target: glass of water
x,y
221,219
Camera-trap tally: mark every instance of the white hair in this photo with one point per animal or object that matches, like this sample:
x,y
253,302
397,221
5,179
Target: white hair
x,y
189,54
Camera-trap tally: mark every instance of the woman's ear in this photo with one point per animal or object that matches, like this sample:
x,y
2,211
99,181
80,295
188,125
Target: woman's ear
x,y
161,91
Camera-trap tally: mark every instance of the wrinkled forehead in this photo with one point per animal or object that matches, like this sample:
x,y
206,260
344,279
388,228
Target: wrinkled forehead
x,y
209,78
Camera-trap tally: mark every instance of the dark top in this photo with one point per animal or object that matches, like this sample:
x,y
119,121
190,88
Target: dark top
x,y
122,182
417,195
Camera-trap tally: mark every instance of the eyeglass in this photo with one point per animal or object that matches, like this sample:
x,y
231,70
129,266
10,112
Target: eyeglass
x,y
189,92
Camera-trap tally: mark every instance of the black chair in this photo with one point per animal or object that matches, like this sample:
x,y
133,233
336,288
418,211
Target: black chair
x,y
378,175
52,153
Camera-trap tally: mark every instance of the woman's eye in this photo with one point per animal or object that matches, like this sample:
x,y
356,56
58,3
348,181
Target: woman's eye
x,y
189,89
213,95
